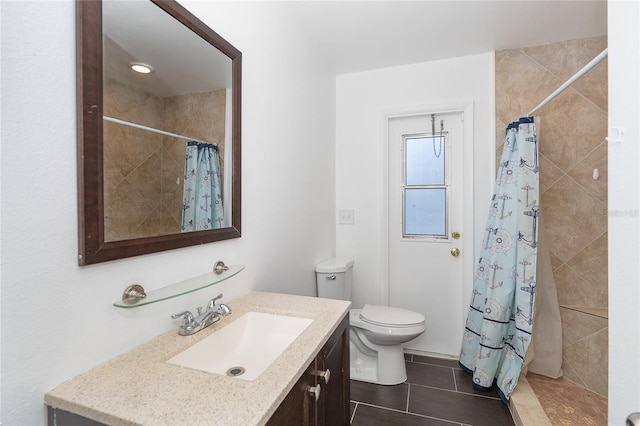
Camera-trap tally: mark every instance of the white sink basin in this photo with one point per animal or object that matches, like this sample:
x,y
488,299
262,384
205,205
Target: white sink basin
x,y
245,347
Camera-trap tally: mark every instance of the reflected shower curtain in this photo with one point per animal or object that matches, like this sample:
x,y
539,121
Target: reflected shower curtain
x,y
201,197
500,318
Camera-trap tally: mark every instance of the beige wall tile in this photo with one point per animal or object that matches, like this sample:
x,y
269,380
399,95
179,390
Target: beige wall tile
x,y
501,54
583,173
569,286
577,326
587,356
573,127
521,84
549,173
574,291
124,210
573,217
147,179
565,58
592,276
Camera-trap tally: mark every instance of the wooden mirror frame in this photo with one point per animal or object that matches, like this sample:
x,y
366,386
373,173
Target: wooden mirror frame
x,y
92,246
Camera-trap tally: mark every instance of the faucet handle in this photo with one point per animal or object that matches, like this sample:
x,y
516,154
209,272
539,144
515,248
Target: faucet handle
x,y
187,318
222,308
212,302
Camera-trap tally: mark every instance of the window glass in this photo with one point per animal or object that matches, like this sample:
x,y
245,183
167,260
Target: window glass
x,y
425,186
425,212
425,161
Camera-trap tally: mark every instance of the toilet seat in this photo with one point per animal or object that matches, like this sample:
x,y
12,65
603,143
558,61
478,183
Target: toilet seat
x,y
388,316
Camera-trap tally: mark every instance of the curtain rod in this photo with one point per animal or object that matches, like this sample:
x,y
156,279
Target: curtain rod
x,y
151,129
595,61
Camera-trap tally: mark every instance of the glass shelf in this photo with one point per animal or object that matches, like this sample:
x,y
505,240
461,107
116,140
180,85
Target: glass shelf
x,y
183,287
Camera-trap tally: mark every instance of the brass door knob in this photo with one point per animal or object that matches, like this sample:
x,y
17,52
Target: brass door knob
x,y
455,252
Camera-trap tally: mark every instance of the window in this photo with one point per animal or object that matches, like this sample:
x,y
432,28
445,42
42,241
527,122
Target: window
x,y
425,188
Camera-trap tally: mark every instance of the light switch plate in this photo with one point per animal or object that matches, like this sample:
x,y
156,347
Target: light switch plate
x,y
346,217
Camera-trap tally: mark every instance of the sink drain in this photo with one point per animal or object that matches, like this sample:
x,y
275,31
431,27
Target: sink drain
x,y
235,371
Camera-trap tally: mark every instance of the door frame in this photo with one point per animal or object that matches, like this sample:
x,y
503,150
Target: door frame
x,y
468,243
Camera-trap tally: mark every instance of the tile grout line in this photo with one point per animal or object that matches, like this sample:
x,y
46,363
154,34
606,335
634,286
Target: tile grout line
x,y
424,416
408,396
455,382
353,415
495,398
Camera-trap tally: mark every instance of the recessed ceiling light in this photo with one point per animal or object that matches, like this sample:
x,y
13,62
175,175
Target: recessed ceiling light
x,y
141,68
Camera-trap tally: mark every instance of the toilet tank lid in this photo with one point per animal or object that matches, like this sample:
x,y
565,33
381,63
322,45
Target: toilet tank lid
x,y
387,315
335,264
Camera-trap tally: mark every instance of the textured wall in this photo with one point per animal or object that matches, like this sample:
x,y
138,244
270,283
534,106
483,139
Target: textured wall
x,y
571,132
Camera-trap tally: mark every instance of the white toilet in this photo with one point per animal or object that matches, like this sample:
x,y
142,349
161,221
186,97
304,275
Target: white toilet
x,y
376,333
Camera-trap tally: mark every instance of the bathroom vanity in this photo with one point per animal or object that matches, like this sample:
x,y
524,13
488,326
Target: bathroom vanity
x,y
307,384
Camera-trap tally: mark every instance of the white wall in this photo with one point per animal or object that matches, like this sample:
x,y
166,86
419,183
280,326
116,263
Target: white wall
x,y
361,102
57,318
624,205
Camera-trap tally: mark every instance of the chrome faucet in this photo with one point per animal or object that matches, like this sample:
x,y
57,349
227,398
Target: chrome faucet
x,y
192,324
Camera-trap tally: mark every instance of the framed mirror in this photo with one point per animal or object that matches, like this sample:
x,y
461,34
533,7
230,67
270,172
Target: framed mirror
x,y
158,153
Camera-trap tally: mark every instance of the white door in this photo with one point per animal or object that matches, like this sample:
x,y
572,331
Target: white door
x,y
425,225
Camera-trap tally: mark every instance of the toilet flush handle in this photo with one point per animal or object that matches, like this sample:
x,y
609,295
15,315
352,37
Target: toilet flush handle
x,y
331,277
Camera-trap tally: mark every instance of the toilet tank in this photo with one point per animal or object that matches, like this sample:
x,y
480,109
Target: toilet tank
x,y
334,277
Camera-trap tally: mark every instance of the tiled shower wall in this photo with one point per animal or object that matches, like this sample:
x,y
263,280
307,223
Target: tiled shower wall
x,y
143,171
571,132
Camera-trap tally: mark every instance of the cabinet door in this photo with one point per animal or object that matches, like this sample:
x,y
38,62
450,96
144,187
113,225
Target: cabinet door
x,y
299,407
333,405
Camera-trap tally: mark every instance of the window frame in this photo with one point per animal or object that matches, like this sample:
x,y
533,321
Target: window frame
x,y
446,186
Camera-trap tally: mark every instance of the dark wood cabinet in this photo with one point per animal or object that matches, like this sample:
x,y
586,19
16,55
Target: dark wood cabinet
x,y
321,395
334,408
298,408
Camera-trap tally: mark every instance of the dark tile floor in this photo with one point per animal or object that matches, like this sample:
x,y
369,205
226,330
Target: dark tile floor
x,y
437,393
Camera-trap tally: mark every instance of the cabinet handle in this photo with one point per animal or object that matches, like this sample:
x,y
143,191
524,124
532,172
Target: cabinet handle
x,y
326,375
314,390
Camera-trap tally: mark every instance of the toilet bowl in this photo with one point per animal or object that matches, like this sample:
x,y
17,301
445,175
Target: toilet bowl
x,y
376,333
376,336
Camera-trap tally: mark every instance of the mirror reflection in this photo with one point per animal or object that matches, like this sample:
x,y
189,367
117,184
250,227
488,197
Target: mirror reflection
x,y
166,128
139,133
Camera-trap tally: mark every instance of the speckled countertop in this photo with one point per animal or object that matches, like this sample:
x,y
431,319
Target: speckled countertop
x,y
141,388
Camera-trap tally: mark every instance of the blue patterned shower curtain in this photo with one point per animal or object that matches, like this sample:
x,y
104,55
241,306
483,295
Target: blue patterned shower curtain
x,y
201,197
500,318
